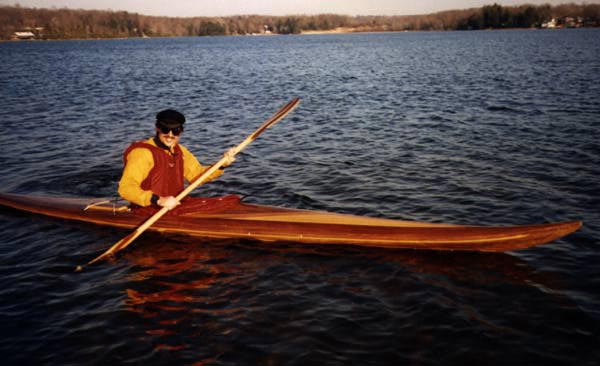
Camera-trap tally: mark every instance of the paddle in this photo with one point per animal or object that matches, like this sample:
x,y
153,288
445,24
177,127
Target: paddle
x,y
123,243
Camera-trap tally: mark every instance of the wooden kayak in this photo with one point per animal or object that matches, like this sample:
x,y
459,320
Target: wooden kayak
x,y
228,217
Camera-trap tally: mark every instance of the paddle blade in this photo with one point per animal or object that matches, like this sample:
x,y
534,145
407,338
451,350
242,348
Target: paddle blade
x,y
121,244
278,116
284,111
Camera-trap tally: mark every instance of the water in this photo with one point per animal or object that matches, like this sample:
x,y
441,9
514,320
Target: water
x,y
488,128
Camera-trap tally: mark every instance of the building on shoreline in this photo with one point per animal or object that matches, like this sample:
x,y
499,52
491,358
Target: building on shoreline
x,y
29,33
569,22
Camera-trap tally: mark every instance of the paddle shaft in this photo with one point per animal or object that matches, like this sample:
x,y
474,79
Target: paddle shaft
x,y
123,243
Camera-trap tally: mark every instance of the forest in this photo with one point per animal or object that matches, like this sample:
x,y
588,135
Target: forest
x,y
65,23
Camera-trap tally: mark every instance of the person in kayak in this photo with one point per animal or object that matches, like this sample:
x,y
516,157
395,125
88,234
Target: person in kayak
x,y
155,169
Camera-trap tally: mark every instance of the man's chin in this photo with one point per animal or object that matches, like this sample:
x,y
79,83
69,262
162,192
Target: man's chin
x,y
169,143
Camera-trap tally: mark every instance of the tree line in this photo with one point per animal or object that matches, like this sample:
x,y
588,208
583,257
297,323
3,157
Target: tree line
x,y
70,23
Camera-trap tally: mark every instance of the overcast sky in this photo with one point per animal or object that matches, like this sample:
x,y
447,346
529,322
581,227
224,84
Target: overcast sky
x,y
190,8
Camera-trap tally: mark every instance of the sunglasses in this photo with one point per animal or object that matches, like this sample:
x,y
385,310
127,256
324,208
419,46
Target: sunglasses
x,y
165,130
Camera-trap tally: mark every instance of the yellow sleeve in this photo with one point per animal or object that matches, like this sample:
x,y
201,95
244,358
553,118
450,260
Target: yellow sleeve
x,y
192,167
139,164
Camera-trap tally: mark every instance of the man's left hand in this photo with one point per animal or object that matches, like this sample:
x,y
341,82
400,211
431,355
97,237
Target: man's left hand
x,y
229,157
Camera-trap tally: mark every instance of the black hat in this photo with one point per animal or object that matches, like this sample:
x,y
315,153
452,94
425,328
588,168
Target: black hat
x,y
170,118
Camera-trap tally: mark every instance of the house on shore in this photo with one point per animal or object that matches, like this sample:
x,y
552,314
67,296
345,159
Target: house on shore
x,y
29,33
24,35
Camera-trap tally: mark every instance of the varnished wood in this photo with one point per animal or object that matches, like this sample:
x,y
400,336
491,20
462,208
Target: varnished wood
x,y
267,224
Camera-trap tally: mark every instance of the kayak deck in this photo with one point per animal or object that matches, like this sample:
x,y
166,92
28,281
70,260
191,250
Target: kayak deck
x,y
228,217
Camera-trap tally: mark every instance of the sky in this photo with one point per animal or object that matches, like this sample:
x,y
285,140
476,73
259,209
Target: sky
x,y
191,8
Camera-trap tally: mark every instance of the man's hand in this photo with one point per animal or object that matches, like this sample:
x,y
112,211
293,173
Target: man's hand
x,y
169,202
230,156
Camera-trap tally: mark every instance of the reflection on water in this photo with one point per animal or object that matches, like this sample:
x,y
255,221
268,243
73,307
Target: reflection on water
x,y
189,291
170,285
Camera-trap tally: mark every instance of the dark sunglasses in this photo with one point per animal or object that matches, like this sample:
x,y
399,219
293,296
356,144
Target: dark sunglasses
x,y
165,130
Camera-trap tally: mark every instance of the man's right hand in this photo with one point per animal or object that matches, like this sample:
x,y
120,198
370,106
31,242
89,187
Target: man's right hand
x,y
169,202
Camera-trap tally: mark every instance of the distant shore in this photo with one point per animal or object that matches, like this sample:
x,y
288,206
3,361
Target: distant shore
x,y
33,23
340,31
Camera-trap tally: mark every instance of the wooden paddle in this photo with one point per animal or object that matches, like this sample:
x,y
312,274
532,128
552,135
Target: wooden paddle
x,y
123,243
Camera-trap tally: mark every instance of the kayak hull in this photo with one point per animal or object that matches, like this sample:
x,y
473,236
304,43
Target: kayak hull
x,y
227,217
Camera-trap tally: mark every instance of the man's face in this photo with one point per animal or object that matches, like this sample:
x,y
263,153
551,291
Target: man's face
x,y
169,136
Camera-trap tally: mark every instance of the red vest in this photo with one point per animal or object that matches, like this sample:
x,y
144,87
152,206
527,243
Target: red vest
x,y
166,177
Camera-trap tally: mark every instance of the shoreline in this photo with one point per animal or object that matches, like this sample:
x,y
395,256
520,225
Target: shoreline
x,y
339,31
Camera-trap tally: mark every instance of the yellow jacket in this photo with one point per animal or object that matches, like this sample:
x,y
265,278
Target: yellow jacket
x,y
139,164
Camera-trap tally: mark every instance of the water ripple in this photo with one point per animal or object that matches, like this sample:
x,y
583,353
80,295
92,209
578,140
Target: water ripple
x,y
463,127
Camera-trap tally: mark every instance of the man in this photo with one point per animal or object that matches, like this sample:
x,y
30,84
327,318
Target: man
x,y
155,169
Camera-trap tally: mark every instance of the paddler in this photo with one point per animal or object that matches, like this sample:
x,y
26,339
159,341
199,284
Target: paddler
x,y
155,169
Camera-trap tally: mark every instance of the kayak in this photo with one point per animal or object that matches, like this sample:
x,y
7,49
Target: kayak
x,y
229,217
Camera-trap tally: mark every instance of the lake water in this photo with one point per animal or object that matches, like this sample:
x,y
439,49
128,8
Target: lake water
x,y
489,128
